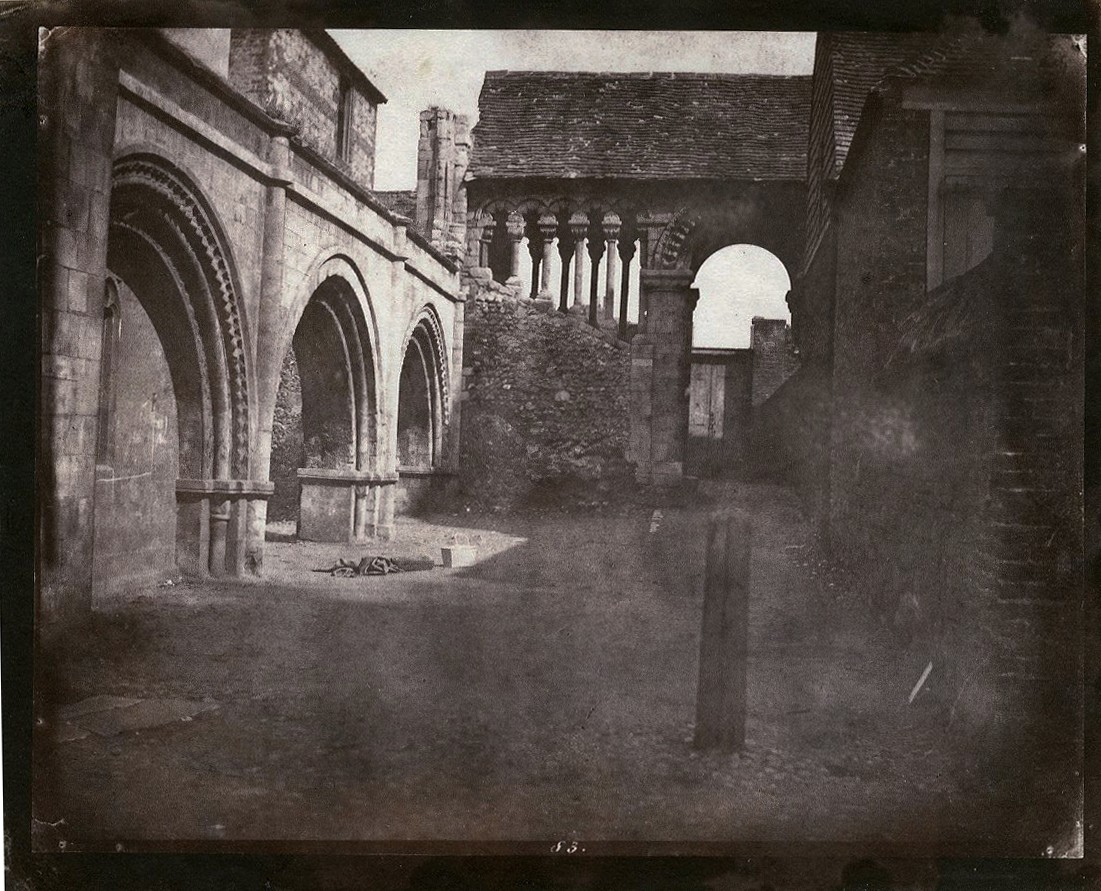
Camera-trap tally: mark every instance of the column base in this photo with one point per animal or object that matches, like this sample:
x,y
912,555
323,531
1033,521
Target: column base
x,y
220,525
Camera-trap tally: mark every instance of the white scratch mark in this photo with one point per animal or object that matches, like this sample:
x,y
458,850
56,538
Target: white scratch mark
x,y
921,681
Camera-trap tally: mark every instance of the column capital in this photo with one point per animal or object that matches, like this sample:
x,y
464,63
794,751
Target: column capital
x,y
548,226
612,225
579,226
487,227
515,226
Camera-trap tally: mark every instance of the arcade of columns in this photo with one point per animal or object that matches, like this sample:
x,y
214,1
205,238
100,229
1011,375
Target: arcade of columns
x,y
649,249
610,242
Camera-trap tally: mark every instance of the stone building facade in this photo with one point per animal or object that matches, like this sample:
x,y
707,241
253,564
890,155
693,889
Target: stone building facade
x,y
205,210
598,187
935,423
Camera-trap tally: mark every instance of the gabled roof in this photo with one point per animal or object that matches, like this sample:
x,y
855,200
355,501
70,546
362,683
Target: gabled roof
x,y
641,126
858,62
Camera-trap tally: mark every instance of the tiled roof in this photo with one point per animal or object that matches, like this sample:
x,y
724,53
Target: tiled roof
x,y
401,202
858,62
641,126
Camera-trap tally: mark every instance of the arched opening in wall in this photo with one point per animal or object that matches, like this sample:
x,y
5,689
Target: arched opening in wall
x,y
139,442
173,413
325,403
500,248
415,411
420,415
737,284
739,337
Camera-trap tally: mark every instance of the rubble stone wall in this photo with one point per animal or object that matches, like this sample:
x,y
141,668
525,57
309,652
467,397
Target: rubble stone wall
x,y
546,411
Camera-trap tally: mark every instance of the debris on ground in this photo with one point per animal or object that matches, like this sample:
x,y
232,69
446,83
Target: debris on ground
x,y
373,566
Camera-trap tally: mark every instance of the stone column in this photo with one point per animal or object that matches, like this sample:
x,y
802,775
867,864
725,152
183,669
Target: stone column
x,y
548,228
565,253
596,251
579,229
626,254
669,334
269,357
515,227
361,520
385,497
611,237
535,251
220,513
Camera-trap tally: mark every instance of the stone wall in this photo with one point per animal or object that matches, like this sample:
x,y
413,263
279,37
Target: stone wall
x,y
287,446
774,357
546,402
135,499
293,78
78,98
134,130
881,217
790,437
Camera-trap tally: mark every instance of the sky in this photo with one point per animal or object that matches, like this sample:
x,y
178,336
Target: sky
x,y
419,69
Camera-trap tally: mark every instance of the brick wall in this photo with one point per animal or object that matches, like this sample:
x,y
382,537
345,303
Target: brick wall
x,y
1030,556
207,46
288,74
972,524
812,303
881,219
546,403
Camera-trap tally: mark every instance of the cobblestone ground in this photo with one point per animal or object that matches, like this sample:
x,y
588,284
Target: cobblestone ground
x,y
545,693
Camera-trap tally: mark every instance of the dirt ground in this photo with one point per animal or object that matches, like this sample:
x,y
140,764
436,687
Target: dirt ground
x,y
546,693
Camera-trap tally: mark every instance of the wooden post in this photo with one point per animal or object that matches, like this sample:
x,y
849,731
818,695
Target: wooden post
x,y
721,694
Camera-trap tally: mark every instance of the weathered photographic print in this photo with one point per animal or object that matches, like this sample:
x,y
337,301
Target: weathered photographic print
x,y
560,442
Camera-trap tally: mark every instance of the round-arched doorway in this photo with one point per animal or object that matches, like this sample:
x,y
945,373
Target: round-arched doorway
x,y
742,288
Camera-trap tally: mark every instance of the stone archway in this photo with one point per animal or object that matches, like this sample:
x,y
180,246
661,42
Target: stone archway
x,y
423,411
755,215
174,334
760,214
325,435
